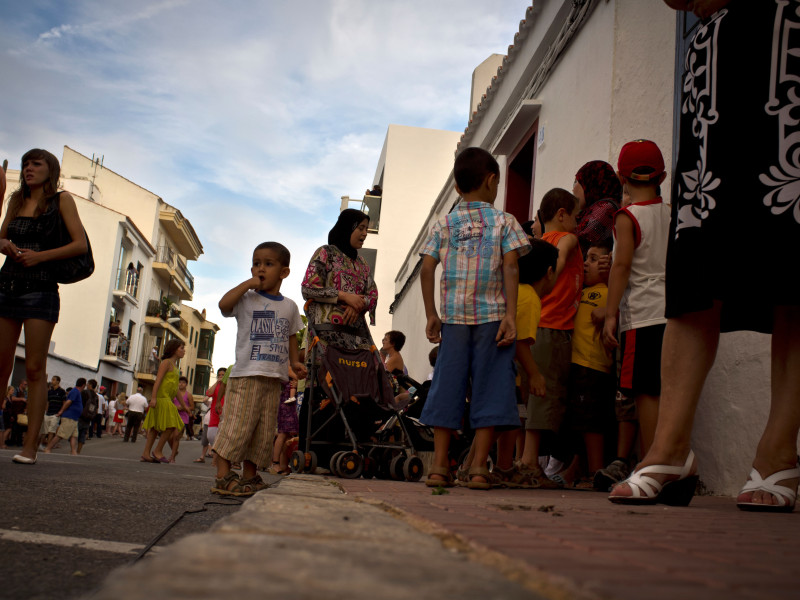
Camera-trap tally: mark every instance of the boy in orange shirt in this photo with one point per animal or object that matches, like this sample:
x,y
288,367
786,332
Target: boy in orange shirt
x,y
553,349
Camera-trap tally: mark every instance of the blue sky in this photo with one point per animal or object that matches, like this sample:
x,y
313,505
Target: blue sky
x,y
251,117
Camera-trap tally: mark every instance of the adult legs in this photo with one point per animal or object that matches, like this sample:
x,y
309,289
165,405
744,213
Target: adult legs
x,y
166,436
37,342
148,445
688,352
9,335
777,449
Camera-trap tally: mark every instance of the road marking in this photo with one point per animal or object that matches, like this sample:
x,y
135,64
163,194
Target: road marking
x,y
32,537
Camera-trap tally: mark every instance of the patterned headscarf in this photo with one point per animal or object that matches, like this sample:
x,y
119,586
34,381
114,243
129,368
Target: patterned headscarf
x,y
339,236
599,182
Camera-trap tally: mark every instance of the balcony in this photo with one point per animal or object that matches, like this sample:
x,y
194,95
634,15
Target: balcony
x,y
166,316
127,286
117,348
180,232
147,365
169,265
370,205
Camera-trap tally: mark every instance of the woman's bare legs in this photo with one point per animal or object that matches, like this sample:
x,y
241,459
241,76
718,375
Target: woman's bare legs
x,y
37,342
9,335
777,449
148,444
688,352
166,436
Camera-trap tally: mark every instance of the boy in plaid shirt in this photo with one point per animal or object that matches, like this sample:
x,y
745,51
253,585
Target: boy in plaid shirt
x,y
478,247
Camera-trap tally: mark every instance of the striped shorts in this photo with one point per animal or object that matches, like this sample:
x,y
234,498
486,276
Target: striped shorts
x,y
251,412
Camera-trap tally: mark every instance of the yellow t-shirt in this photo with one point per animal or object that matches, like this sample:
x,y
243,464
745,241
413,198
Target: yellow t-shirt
x,y
529,310
587,347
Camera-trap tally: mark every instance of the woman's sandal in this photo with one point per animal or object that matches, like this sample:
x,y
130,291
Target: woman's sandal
x,y
647,490
199,460
222,485
147,460
491,479
444,472
784,495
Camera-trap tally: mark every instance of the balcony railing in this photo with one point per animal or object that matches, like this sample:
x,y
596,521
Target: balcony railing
x,y
128,282
166,255
117,345
188,279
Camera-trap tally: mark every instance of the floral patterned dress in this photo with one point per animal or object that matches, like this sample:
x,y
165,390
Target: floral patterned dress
x,y
329,272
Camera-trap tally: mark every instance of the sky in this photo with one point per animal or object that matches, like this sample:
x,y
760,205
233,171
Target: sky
x,y
251,117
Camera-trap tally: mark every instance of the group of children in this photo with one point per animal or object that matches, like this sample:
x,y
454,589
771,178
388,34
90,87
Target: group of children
x,y
506,299
561,305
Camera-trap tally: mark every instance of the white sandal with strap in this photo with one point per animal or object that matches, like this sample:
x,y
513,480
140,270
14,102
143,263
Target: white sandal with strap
x,y
786,496
647,490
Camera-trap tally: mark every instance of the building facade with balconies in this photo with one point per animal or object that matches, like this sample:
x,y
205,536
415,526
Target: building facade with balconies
x,y
196,364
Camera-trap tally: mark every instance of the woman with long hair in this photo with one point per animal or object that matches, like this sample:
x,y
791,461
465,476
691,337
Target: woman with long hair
x,y
28,289
163,418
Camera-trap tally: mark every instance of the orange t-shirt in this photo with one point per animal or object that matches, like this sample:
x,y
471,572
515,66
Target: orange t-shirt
x,y
560,305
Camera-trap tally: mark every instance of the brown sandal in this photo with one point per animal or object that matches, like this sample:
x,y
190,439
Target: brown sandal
x,y
248,487
492,480
444,472
222,485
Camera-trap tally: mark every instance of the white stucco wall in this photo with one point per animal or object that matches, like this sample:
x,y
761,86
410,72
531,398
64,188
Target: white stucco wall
x,y
413,165
114,191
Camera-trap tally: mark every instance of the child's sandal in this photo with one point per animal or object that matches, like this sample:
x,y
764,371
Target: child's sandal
x,y
491,480
447,480
222,485
248,487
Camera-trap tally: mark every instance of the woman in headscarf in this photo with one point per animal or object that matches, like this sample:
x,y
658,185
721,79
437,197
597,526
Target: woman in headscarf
x,y
340,284
599,192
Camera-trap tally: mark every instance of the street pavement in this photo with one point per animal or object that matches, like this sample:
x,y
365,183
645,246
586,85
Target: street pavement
x,y
68,521
314,537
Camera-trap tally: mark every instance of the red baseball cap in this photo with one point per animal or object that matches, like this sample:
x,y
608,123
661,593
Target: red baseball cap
x,y
640,160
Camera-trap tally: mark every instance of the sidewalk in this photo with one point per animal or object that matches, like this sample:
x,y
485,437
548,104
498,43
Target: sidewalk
x,y
313,537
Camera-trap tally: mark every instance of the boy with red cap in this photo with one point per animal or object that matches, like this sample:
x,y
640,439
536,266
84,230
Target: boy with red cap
x,y
636,281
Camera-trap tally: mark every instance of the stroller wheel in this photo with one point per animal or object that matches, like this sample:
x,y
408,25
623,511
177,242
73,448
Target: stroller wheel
x,y
311,461
350,465
412,468
297,462
334,463
396,468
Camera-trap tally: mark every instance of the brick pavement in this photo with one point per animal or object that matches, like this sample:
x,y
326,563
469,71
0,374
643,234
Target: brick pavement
x,y
709,550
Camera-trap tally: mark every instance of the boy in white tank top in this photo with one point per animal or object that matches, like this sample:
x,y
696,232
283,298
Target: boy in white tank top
x,y
636,281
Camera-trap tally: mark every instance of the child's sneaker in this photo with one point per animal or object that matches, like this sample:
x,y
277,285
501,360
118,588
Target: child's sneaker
x,y
617,471
515,478
537,477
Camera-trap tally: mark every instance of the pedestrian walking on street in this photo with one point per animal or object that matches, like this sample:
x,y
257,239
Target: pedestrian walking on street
x,y
118,418
163,418
28,287
185,404
137,404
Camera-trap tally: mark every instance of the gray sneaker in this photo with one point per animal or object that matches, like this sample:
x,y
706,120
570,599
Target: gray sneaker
x,y
604,479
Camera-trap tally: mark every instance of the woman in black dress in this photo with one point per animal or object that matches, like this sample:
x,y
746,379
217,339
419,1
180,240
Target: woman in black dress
x,y
28,290
716,279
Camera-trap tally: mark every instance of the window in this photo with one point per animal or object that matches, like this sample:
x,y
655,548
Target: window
x,y
201,380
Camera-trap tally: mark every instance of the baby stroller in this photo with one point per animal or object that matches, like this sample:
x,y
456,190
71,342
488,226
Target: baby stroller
x,y
349,420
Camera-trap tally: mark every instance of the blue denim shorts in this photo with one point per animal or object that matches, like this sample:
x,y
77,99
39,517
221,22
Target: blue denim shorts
x,y
469,353
32,305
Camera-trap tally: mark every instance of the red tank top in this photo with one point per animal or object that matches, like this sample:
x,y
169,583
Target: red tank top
x,y
560,305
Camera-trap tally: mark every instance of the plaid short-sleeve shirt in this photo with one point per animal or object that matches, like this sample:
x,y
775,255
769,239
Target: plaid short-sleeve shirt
x,y
470,243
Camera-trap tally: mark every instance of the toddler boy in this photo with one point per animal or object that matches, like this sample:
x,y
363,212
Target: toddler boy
x,y
265,347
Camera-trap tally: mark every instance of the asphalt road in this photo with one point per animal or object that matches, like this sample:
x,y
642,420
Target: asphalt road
x,y
97,511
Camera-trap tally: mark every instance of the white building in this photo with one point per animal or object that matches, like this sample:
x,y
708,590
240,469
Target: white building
x,y
579,81
141,246
412,165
